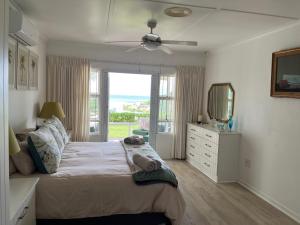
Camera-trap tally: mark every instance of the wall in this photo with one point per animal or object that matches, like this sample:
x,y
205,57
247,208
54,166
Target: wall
x,y
24,105
270,127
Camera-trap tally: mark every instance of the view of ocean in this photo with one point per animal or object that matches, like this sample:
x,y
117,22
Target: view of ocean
x,y
116,102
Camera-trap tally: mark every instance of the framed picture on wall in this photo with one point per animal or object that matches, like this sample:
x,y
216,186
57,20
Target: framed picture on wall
x,y
22,67
285,81
33,71
12,62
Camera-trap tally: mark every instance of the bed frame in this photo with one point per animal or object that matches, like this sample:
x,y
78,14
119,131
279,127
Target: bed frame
x,y
122,219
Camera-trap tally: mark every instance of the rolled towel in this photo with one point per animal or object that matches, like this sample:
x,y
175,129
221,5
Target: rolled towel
x,y
145,163
157,162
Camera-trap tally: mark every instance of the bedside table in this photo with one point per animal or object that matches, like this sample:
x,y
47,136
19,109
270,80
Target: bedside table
x,y
22,201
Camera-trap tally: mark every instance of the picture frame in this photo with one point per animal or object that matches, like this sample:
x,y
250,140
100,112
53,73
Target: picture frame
x,y
285,77
12,62
33,71
22,67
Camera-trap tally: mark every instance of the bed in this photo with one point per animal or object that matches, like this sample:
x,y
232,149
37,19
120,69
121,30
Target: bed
x,y
94,180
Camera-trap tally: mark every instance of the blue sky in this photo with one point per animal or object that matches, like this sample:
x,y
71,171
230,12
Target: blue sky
x,y
129,84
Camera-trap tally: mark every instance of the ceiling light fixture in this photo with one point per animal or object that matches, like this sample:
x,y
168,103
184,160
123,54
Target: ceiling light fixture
x,y
178,11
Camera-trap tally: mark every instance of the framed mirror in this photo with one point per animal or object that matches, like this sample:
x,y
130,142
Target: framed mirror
x,y
220,104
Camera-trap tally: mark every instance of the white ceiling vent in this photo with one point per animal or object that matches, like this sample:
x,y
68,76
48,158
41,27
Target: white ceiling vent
x,y
21,28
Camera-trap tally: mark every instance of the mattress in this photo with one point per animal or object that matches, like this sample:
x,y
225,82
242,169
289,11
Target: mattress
x,y
94,180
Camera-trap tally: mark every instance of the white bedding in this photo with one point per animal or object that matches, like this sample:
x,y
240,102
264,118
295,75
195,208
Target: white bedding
x,y
94,180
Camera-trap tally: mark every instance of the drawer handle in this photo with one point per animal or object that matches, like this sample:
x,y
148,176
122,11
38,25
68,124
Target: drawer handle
x,y
206,164
207,135
192,146
207,145
25,210
191,154
208,155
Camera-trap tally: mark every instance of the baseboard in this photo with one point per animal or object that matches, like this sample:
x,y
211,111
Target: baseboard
x,y
271,201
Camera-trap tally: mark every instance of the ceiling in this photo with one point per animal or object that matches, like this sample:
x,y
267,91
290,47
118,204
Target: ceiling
x,y
213,23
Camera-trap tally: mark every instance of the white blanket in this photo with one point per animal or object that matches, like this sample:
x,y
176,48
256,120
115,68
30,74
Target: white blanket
x,y
94,180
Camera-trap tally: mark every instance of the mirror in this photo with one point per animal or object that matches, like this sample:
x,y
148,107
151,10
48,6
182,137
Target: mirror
x,y
220,102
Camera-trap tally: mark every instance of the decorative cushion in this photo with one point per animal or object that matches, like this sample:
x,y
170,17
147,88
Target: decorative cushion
x,y
23,161
58,138
60,127
12,167
44,150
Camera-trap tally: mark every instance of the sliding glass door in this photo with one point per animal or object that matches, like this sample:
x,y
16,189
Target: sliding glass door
x,y
125,104
129,105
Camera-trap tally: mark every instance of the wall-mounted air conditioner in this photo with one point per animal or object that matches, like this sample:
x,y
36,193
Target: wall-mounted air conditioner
x,y
21,28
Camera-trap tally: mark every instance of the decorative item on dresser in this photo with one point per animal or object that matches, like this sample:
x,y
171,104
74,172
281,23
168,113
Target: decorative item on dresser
x,y
22,201
214,153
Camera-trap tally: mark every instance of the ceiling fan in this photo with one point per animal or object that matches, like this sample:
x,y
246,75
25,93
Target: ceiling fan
x,y
153,41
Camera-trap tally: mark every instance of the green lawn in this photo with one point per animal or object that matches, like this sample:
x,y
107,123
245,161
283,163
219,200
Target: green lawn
x,y
120,130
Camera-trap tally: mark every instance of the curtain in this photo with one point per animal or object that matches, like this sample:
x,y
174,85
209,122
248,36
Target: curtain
x,y
188,103
68,83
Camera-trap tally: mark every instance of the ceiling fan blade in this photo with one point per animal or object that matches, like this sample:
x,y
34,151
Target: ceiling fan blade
x,y
165,49
133,49
111,42
172,42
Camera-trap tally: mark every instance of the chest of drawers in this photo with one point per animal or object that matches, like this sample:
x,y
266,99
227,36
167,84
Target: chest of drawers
x,y
214,153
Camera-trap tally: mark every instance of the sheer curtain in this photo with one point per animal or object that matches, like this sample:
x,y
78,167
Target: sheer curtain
x,y
68,83
188,103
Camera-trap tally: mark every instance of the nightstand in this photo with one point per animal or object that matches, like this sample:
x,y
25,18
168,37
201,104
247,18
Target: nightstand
x,y
22,201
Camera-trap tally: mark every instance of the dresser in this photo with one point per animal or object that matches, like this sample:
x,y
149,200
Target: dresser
x,y
215,153
22,201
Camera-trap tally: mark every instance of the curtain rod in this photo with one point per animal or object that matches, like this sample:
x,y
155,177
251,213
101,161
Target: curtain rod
x,y
129,63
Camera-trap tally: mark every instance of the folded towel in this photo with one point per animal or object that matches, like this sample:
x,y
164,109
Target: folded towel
x,y
146,163
162,175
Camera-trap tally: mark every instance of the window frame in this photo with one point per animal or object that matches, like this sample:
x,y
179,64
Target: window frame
x,y
167,98
97,96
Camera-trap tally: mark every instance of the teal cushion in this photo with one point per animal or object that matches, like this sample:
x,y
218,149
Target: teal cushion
x,y
38,162
46,146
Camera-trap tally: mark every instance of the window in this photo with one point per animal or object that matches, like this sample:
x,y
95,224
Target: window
x,y
166,103
94,102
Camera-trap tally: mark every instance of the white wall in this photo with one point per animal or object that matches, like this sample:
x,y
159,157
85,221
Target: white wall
x,y
24,105
270,127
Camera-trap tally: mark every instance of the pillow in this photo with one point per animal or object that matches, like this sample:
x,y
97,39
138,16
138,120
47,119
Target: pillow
x,y
23,161
44,150
12,167
60,127
58,138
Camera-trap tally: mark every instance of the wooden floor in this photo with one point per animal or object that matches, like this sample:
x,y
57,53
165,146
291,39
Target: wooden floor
x,y
208,203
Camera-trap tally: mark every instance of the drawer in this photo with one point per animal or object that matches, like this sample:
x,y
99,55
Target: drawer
x,y
194,129
208,155
193,146
210,136
209,167
26,215
209,145
193,137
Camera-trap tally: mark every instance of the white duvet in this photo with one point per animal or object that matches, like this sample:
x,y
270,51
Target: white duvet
x,y
94,180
